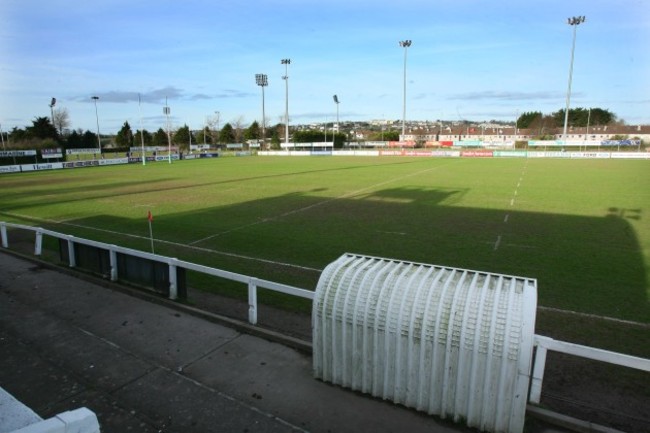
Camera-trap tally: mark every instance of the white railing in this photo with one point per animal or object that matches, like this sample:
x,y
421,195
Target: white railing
x,y
173,263
542,344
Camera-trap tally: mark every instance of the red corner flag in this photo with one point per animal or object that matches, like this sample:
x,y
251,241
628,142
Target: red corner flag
x,y
150,218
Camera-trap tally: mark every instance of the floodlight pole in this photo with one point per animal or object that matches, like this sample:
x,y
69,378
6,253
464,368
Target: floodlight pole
x,y
52,103
573,22
405,44
218,113
286,63
99,143
166,111
337,102
144,158
262,80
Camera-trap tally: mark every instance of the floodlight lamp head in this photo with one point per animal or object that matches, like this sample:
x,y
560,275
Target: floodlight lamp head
x,y
94,97
286,61
53,102
261,80
405,44
336,99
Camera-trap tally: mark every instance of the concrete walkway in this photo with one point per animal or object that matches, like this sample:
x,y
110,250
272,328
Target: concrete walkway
x,y
142,366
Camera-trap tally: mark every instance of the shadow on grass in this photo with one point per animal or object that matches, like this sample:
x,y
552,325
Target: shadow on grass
x,y
589,264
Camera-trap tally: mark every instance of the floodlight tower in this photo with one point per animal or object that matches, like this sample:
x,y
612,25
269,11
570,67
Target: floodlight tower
x,y
573,22
166,111
99,143
405,44
286,63
52,103
262,81
336,101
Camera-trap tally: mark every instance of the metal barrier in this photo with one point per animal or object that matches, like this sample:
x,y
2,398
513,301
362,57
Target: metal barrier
x,y
542,344
173,263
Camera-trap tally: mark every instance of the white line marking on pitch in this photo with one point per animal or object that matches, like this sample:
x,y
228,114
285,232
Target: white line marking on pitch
x,y
496,244
539,307
392,233
512,202
302,209
505,220
176,244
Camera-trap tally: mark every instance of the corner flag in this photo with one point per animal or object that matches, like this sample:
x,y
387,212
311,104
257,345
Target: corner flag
x,y
150,218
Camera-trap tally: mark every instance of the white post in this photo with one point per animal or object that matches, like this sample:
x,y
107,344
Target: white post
x,y
71,257
3,235
38,248
113,259
173,281
538,374
252,301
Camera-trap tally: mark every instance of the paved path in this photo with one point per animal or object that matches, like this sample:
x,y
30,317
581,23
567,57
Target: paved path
x,y
143,367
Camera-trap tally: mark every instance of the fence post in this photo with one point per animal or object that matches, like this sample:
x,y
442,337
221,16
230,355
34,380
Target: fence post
x,y
3,234
38,245
537,377
71,258
113,259
173,280
252,301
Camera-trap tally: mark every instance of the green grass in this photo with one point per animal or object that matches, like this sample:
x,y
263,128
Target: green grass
x,y
579,226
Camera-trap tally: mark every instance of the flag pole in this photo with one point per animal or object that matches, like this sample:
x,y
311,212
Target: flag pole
x,y
150,218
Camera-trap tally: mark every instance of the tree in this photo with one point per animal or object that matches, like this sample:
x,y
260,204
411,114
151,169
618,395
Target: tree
x,y
275,138
74,141
385,136
160,138
580,117
61,119
182,137
238,129
89,140
253,132
227,134
124,137
145,136
18,135
42,128
526,119
204,136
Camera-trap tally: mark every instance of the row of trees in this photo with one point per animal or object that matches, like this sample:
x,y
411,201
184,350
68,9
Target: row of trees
x,y
43,134
578,117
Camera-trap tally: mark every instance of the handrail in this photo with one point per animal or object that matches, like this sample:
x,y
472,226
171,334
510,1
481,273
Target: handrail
x,y
173,263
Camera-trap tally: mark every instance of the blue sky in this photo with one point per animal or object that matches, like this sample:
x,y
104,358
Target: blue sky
x,y
469,59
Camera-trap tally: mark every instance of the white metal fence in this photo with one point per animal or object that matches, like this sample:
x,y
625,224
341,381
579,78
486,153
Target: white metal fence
x,y
173,263
542,344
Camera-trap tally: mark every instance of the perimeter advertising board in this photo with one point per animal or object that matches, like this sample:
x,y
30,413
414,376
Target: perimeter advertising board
x,y
16,153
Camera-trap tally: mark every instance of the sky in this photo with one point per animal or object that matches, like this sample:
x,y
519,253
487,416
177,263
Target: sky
x,y
469,60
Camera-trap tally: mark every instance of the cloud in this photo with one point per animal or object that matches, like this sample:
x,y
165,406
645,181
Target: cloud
x,y
122,97
158,96
230,93
508,96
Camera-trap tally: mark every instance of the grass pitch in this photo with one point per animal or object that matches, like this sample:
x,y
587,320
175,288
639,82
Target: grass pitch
x,y
579,226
